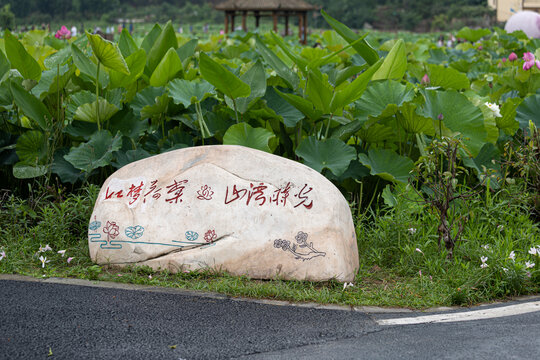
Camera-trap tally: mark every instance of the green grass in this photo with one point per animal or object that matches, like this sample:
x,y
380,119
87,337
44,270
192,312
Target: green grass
x,y
398,266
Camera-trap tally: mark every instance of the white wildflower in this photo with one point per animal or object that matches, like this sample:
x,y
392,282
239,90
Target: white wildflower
x,y
44,249
411,231
43,261
420,251
486,247
346,285
512,255
2,255
533,251
62,252
529,265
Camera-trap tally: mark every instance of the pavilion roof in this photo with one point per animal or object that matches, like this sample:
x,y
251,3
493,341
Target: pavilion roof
x,y
265,5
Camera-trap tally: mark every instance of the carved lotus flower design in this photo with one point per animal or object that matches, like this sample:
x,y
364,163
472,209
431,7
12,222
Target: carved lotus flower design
x,y
210,236
111,229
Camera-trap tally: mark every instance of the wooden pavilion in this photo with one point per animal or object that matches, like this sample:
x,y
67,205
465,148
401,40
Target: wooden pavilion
x,y
270,8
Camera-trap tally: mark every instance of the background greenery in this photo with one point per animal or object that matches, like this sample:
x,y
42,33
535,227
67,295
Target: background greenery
x,y
417,15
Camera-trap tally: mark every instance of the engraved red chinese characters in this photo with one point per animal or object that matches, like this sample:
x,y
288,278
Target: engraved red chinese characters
x,y
177,190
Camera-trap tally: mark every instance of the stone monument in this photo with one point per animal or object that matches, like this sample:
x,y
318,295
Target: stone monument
x,y
228,208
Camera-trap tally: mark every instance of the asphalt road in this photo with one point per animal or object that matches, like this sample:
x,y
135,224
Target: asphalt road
x,y
82,322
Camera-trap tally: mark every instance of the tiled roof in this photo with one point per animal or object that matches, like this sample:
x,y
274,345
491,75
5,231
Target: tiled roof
x,y
262,5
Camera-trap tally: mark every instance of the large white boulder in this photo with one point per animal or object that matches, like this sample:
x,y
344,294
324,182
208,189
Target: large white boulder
x,y
227,208
527,21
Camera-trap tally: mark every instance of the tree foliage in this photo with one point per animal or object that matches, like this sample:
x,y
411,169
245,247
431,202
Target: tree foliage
x,y
382,14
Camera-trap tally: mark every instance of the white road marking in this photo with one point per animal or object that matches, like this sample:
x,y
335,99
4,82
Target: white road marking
x,y
466,315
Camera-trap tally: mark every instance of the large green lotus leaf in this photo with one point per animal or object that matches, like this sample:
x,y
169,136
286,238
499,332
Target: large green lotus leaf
x,y
290,115
332,154
508,122
395,63
150,39
96,153
414,123
159,107
245,135
319,57
472,35
187,50
387,164
272,60
176,138
77,99
354,90
300,62
128,124
24,171
126,44
58,58
4,64
363,48
65,171
382,98
51,83
34,37
189,92
32,148
339,76
447,78
490,124
86,66
146,97
487,162
377,134
305,106
319,91
31,106
124,158
355,171
20,59
6,98
459,115
224,80
108,53
80,129
344,132
168,68
135,62
165,41
256,79
529,109
89,112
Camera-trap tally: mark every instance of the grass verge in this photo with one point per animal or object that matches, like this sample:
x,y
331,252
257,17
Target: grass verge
x,y
400,262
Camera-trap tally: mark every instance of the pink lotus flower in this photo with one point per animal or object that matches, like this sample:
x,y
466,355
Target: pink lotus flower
x,y
512,57
425,79
503,59
63,33
529,61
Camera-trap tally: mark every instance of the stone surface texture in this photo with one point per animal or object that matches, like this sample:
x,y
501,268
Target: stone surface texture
x,y
227,208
